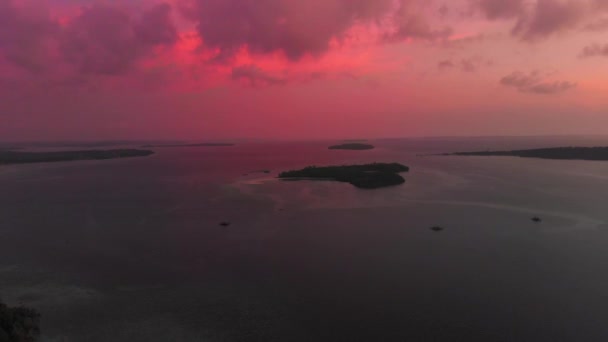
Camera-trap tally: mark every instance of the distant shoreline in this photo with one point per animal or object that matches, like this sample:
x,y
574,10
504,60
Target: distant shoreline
x,y
191,145
556,153
352,146
13,157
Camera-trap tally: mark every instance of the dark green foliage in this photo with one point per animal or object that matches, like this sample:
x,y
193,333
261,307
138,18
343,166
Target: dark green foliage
x,y
565,153
352,146
18,324
12,157
368,176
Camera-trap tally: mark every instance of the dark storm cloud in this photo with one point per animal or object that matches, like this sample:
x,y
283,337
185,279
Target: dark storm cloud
x,y
101,39
264,26
24,34
109,40
298,28
155,26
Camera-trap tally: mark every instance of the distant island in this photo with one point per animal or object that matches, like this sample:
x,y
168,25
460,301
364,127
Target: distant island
x,y
13,157
190,145
352,146
563,153
367,176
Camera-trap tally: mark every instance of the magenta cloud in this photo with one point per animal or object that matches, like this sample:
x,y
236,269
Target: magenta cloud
x,y
536,20
300,28
501,9
296,28
595,50
107,40
533,83
256,76
24,33
101,39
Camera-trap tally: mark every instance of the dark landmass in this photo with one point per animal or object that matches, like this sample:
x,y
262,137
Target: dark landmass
x,y
537,219
563,153
257,172
10,148
225,224
368,176
437,229
190,145
12,157
18,324
352,146
87,144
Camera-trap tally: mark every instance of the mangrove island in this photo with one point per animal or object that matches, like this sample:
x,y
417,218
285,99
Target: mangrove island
x,y
352,146
367,176
563,153
18,157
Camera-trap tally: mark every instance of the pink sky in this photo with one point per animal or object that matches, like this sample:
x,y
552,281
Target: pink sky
x,y
293,69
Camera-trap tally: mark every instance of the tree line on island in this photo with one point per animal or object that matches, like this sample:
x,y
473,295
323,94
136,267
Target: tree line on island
x,y
366,176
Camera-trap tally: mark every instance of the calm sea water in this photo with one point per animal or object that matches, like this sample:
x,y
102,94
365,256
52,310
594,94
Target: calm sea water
x,y
131,250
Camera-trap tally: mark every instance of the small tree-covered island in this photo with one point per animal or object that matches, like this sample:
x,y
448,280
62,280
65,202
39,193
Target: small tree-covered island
x,y
352,146
18,157
563,153
367,176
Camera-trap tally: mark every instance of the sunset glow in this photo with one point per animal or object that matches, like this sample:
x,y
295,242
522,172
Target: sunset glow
x,y
288,69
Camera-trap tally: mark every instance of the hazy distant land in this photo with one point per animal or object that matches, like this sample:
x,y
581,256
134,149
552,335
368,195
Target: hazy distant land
x,y
191,145
9,148
352,146
563,153
13,157
368,176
